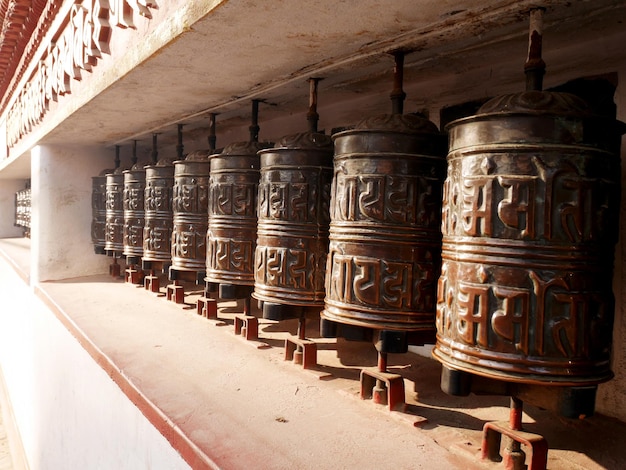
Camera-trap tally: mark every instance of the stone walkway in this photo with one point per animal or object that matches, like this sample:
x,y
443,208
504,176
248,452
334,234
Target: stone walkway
x,y
6,463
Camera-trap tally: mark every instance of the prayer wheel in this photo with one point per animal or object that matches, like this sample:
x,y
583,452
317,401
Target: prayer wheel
x,y
385,226
232,231
292,237
530,215
190,206
157,233
98,211
23,211
134,213
114,232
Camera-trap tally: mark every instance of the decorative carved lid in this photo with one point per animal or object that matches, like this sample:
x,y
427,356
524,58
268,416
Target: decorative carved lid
x,y
535,118
199,156
533,102
245,148
405,123
164,162
306,140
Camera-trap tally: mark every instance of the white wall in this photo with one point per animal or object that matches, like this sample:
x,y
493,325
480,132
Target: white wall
x,y
70,413
61,212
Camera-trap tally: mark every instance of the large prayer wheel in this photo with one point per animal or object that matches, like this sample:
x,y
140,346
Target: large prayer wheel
x,y
385,229
114,231
190,206
231,237
530,216
157,234
134,213
292,237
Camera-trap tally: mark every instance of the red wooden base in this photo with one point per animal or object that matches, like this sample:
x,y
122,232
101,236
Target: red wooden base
x,y
175,293
392,394
492,438
306,354
152,283
247,326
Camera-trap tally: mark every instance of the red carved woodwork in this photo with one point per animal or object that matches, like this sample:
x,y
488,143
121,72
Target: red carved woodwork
x,y
81,40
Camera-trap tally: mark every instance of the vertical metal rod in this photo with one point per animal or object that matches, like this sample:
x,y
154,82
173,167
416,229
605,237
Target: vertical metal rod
x,y
382,361
254,127
298,354
535,67
380,388
397,94
515,414
212,135
155,152
179,146
117,156
302,327
312,115
134,158
514,457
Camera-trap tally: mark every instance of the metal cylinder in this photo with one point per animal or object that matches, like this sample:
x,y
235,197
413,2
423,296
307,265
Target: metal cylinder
x,y
292,237
99,211
385,235
530,217
190,206
231,238
114,231
134,213
157,232
23,211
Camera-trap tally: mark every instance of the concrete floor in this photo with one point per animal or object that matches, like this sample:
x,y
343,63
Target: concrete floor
x,y
6,462
11,453
231,391
435,428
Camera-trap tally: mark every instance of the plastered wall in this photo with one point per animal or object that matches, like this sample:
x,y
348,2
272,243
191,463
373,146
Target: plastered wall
x,y
71,415
7,207
612,395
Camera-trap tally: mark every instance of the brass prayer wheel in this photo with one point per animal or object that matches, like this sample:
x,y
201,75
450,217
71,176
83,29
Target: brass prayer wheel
x,y
134,213
157,233
530,215
23,212
190,206
292,237
231,237
385,225
114,231
99,211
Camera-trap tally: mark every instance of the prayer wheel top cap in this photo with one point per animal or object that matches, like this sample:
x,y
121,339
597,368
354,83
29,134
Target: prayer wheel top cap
x,y
535,118
197,156
304,141
117,171
135,167
106,172
305,149
163,162
536,102
245,148
391,134
400,123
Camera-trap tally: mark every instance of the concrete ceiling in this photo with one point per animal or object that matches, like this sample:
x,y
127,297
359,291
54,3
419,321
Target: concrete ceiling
x,y
460,50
